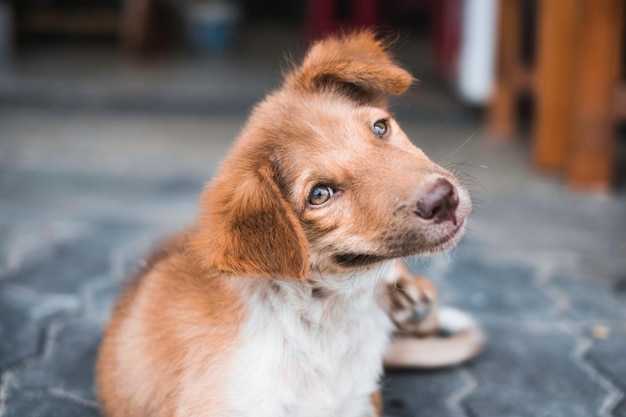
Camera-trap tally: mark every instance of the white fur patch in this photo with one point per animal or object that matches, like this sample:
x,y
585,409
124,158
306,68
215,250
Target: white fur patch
x,y
306,356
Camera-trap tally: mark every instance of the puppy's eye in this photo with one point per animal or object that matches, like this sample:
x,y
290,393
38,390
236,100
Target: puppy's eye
x,y
320,194
380,128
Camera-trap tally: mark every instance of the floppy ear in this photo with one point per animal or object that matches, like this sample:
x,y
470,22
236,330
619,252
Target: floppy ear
x,y
357,64
247,228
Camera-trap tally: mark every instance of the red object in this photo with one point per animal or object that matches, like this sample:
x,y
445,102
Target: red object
x,y
446,32
322,17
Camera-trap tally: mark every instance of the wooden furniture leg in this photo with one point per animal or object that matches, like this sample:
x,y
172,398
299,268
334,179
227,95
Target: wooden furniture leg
x,y
135,26
554,77
590,163
502,115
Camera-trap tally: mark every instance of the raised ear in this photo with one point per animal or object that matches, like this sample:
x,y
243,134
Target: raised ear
x,y
357,64
247,228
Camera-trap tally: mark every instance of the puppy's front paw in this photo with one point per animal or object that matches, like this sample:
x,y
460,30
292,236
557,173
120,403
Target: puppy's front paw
x,y
412,303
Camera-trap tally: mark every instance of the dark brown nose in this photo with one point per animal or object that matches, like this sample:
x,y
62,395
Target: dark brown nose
x,y
439,203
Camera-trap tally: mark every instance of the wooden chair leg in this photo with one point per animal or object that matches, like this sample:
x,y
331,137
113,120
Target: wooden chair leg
x,y
135,26
554,77
502,118
591,159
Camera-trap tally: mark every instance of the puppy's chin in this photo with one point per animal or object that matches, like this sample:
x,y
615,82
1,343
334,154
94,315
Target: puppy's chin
x,y
348,261
447,242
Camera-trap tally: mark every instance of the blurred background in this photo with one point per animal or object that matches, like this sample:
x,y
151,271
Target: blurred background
x,y
547,71
113,114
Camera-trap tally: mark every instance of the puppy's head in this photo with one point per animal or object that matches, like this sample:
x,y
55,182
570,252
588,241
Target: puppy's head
x,y
323,177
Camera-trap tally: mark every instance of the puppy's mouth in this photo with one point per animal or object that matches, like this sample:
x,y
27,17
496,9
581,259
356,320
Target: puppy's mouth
x,y
351,260
355,260
450,239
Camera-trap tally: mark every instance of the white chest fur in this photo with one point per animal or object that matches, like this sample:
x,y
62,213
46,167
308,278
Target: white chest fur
x,y
310,356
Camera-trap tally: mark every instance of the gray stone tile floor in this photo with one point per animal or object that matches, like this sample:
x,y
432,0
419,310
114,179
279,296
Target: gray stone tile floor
x,y
87,189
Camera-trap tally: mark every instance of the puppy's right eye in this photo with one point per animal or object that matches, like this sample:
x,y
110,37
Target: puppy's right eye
x,y
380,128
320,194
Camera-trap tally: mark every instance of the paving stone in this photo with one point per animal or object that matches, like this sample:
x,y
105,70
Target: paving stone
x,y
620,409
70,265
131,257
608,356
92,198
557,221
437,268
29,186
24,315
29,239
505,291
591,299
529,371
421,393
41,404
541,225
69,365
102,300
70,360
5,234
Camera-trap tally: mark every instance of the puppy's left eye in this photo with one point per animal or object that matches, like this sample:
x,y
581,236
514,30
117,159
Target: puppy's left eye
x,y
380,127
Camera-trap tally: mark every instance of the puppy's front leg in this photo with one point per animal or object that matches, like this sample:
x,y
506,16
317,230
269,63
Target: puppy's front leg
x,y
426,336
411,302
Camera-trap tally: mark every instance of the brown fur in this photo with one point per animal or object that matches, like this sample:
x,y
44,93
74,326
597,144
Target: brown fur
x,y
377,402
250,229
358,64
167,348
159,342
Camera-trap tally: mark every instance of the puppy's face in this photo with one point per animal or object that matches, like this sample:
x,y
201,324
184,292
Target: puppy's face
x,y
324,178
361,190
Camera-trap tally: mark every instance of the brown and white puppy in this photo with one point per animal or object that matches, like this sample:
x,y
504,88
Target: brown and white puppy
x,y
273,303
